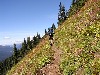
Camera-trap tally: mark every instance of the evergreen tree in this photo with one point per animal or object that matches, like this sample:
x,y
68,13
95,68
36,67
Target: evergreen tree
x,y
53,26
67,14
61,14
10,62
76,6
38,36
29,43
73,1
1,68
23,49
21,53
24,46
15,54
35,39
4,67
32,41
49,29
46,32
7,64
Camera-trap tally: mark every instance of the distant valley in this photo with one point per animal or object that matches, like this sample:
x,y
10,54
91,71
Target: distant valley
x,y
7,51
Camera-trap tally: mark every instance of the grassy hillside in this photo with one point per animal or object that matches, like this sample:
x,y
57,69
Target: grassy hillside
x,y
37,58
78,38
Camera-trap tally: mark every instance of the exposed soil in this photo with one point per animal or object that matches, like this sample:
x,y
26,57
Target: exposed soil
x,y
53,67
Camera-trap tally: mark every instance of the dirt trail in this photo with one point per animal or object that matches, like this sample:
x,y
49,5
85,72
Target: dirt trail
x,y
53,67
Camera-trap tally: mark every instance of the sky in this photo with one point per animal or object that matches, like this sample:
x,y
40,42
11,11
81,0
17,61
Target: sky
x,y
22,18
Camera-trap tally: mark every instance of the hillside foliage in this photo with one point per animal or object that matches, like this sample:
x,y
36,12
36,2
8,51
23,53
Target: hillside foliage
x,y
78,37
18,54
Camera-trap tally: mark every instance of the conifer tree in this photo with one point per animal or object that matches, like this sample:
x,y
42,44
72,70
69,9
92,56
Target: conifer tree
x,y
35,39
53,26
76,6
38,36
1,68
32,41
15,54
10,62
7,63
61,14
73,1
46,32
23,49
4,67
29,43
24,46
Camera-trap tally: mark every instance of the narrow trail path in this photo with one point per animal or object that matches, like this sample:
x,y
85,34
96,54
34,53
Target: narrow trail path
x,y
53,67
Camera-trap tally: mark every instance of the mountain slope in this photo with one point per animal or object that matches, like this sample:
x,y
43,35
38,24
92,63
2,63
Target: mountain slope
x,y
52,68
78,38
37,58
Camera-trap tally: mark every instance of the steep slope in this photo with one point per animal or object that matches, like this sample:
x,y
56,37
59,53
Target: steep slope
x,y
37,58
78,38
53,67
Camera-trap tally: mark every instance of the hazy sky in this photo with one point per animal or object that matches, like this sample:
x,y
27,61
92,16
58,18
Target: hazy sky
x,y
22,18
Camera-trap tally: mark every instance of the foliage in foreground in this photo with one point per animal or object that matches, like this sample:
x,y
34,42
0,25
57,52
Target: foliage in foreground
x,y
79,38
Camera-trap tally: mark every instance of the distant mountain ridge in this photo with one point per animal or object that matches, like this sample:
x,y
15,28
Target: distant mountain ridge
x,y
5,52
